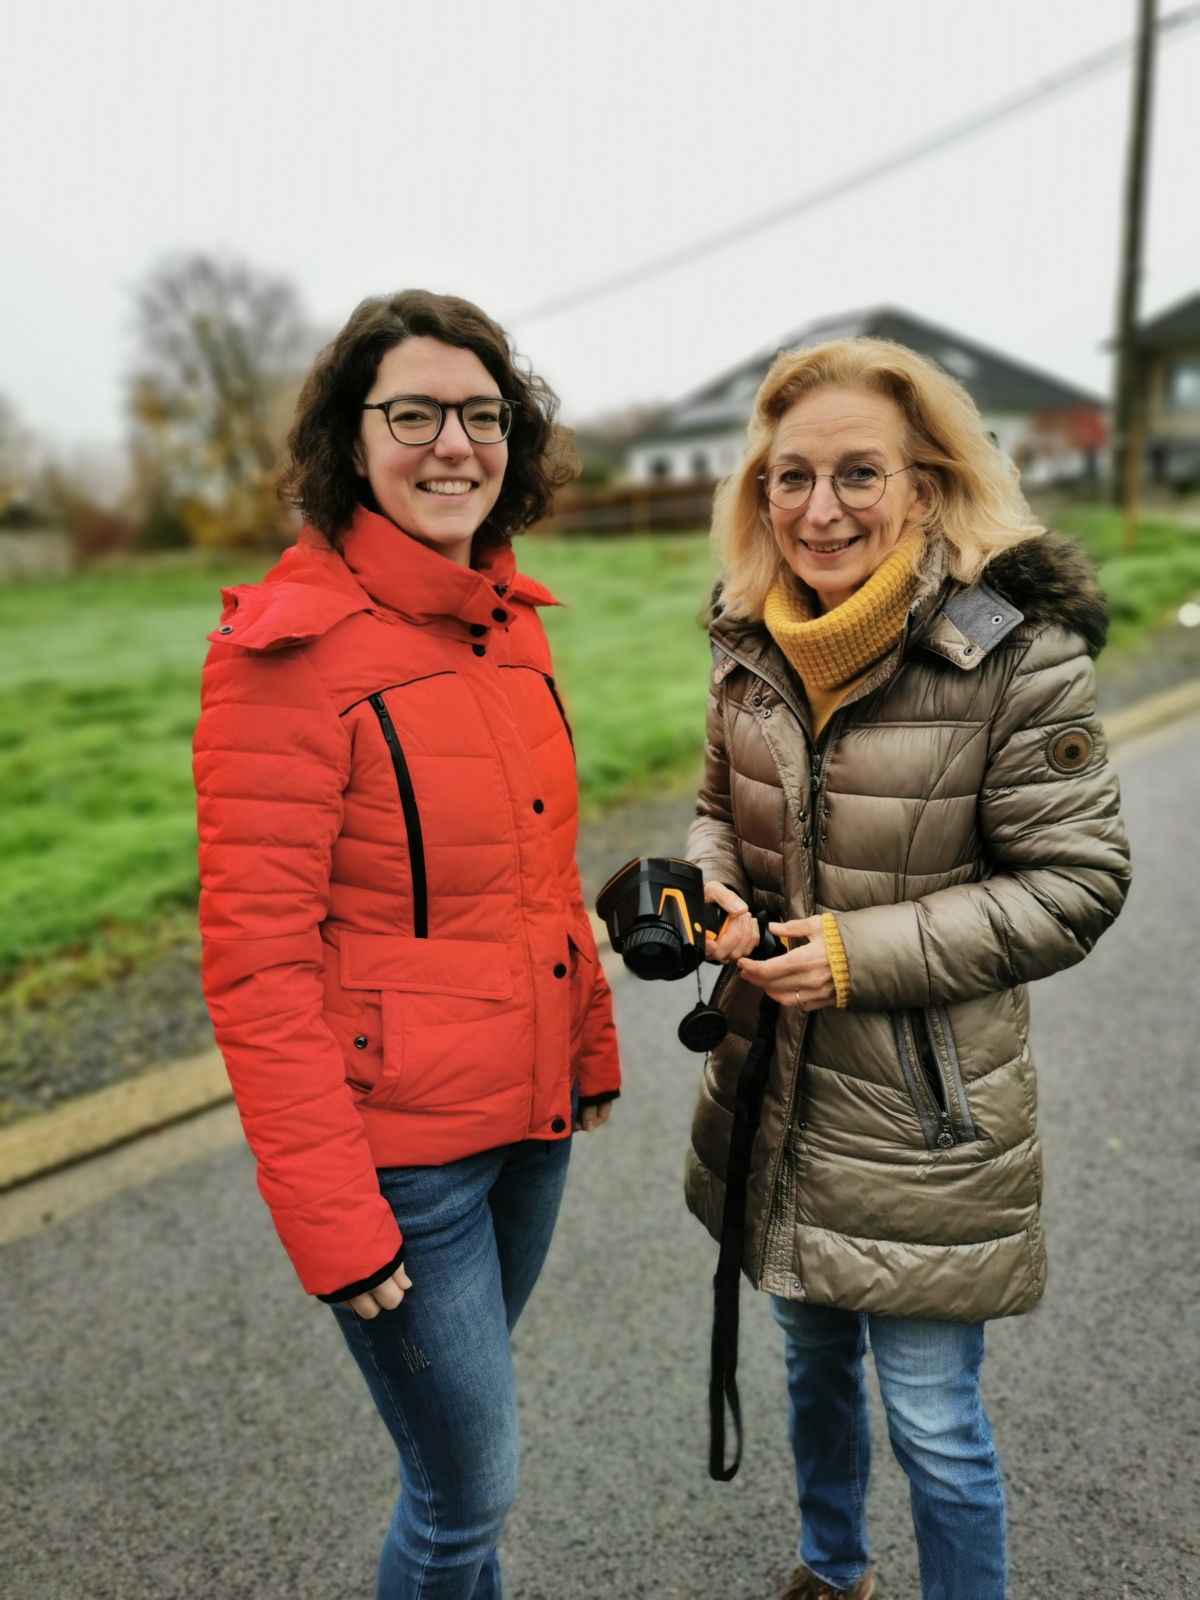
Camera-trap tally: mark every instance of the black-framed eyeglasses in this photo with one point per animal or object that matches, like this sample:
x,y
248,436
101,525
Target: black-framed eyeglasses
x,y
858,486
419,419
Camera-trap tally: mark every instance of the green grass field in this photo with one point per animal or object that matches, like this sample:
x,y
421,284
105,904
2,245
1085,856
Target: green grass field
x,y
99,679
98,699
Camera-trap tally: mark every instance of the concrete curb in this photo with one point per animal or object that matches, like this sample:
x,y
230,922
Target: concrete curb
x,y
109,1117
1147,716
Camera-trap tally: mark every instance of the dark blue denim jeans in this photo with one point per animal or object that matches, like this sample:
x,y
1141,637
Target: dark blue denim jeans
x,y
929,1379
439,1367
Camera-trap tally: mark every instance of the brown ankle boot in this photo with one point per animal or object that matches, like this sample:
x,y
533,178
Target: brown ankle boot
x,y
805,1585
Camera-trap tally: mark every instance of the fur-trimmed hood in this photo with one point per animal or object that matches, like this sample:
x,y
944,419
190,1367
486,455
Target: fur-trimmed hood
x,y
1051,579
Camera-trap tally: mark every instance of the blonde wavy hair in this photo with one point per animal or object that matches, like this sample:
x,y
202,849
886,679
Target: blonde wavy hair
x,y
972,490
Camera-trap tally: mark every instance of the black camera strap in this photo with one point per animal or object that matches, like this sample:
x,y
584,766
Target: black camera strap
x,y
747,1111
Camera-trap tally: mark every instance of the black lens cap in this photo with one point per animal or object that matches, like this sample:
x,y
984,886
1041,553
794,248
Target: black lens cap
x,y
703,1028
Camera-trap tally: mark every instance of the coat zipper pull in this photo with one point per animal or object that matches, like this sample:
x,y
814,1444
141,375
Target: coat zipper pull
x,y
946,1137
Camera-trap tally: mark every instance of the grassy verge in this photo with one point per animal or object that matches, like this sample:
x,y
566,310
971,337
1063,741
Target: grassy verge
x,y
98,697
1144,588
99,678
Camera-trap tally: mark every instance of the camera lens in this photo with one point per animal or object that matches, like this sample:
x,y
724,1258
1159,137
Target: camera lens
x,y
654,949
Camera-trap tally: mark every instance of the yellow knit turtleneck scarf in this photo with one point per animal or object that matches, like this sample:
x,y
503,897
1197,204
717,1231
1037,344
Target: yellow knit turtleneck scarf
x,y
833,653
830,654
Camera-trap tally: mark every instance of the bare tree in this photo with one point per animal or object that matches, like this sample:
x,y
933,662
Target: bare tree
x,y
16,449
220,349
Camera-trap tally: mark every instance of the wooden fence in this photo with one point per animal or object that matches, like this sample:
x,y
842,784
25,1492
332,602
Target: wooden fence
x,y
630,508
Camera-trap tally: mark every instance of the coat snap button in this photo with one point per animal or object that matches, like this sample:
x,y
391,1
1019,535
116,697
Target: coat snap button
x,y
499,616
559,1125
758,699
361,1042
478,629
766,712
539,806
560,970
968,649
479,649
226,627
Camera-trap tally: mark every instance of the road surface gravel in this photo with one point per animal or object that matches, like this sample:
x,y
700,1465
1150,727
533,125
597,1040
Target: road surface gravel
x,y
179,1420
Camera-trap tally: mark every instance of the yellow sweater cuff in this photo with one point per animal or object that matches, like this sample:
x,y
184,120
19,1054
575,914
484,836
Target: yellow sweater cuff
x,y
838,965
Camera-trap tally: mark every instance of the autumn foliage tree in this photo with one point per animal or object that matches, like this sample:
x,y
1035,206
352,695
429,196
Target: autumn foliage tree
x,y
220,350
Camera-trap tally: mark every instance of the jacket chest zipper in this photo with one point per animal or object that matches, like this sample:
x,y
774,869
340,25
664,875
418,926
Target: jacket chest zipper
x,y
412,818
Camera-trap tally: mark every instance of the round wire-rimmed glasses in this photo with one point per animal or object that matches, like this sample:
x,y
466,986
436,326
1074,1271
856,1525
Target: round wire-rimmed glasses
x,y
858,487
419,419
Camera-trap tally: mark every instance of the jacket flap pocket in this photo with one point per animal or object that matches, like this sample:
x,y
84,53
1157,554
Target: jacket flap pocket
x,y
469,967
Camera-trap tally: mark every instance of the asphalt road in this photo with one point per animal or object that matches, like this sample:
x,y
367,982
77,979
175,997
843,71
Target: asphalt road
x,y
179,1421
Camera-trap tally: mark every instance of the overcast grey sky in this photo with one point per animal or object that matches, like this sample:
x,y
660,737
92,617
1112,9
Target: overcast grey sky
x,y
512,149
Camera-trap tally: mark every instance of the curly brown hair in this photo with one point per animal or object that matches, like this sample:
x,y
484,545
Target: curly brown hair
x,y
320,476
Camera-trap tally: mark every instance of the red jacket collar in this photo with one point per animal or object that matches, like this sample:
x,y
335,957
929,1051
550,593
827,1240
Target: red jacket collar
x,y
313,587
408,577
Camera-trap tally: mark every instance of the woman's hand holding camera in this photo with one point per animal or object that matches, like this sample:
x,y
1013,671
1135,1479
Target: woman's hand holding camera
x,y
801,976
739,935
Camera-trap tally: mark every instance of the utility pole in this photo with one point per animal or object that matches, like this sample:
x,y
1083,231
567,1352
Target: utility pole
x,y
1128,420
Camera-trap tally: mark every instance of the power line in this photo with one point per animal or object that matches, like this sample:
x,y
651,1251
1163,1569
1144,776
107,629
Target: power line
x,y
1061,82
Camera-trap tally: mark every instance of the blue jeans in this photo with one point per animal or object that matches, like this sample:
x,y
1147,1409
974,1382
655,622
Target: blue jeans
x,y
439,1367
929,1379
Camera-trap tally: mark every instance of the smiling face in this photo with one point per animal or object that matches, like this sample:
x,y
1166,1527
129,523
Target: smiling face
x,y
438,493
833,550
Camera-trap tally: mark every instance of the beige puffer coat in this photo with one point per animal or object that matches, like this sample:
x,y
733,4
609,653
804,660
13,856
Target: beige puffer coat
x,y
959,819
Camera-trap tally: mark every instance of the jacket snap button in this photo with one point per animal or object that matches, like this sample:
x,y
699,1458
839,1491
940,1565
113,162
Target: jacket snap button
x,y
479,649
996,621
766,712
539,806
361,1042
499,616
560,970
478,629
226,627
558,1125
758,699
968,649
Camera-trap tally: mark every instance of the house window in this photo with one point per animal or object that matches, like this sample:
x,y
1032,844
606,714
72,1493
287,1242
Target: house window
x,y
700,464
660,468
1183,384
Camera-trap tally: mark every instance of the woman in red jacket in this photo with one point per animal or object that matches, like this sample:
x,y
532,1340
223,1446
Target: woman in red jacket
x,y
400,970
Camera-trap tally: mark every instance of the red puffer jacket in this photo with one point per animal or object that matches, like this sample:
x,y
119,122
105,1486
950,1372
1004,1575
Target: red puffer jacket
x,y
397,960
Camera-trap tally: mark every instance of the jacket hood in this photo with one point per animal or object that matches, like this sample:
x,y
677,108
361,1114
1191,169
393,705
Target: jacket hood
x,y
312,587
1050,579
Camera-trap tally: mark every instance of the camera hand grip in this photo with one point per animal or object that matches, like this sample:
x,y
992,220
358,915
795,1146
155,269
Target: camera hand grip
x,y
769,944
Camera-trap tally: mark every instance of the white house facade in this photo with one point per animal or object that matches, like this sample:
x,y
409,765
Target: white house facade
x,y
1054,431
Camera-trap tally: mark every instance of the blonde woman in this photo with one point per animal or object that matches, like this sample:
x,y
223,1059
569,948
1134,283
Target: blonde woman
x,y
904,767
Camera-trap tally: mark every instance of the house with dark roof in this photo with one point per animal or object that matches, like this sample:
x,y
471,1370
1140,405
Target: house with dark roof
x,y
1054,430
1169,370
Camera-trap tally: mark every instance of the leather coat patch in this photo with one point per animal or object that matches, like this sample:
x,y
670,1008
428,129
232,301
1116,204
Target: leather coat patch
x,y
1070,752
